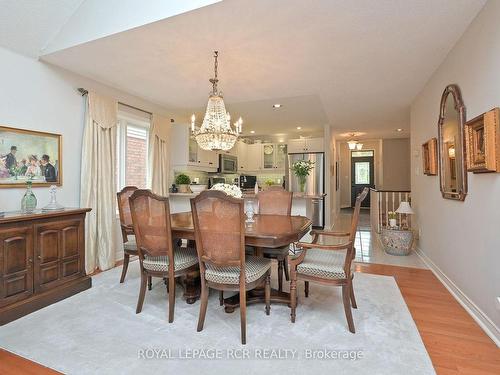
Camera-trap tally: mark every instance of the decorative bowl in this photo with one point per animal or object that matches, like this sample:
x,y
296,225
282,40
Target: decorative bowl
x,y
195,188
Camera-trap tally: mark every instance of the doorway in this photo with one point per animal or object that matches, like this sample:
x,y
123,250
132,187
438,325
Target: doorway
x,y
362,174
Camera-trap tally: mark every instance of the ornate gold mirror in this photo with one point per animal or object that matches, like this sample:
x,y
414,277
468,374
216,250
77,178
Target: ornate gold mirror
x,y
452,169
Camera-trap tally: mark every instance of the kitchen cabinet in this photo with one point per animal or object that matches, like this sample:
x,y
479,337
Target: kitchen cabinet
x,y
273,156
298,146
242,148
254,157
186,154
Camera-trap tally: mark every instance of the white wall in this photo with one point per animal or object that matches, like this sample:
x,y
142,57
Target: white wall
x,y
37,96
462,239
396,164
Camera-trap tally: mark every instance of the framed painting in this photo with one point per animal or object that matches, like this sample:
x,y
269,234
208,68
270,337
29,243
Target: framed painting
x,y
429,157
27,155
483,142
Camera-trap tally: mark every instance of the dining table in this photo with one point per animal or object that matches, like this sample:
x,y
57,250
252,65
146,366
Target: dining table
x,y
266,231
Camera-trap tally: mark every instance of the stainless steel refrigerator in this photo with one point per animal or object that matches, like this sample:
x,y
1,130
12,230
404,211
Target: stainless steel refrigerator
x,y
315,184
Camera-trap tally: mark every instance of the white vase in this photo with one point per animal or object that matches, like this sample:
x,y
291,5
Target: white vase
x,y
392,223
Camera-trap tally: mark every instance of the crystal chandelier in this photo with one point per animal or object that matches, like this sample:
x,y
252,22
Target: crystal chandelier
x,y
216,132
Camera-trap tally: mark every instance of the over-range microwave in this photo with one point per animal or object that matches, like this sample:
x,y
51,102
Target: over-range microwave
x,y
228,164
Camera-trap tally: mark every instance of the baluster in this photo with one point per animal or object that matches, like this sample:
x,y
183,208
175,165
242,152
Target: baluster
x,y
386,209
399,195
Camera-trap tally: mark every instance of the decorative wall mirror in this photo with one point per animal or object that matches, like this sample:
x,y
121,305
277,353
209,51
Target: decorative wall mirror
x,y
451,147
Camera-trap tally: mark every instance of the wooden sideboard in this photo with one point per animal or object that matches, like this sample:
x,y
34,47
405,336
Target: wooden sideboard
x,y
42,260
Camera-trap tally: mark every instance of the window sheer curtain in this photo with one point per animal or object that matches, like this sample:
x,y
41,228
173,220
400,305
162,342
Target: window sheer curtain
x,y
98,181
159,138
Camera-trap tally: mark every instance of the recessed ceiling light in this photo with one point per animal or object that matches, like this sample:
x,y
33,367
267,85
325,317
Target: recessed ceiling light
x,y
277,105
281,141
252,131
298,128
399,130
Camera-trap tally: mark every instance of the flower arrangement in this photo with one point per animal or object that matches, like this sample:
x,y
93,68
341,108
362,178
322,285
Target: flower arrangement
x,y
231,190
392,219
302,169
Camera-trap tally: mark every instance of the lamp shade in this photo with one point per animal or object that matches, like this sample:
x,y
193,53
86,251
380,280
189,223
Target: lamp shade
x,y
405,208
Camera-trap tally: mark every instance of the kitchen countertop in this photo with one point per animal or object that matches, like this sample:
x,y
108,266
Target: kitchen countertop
x,y
296,195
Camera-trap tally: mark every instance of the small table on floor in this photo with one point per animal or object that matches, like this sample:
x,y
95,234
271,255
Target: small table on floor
x,y
397,241
267,231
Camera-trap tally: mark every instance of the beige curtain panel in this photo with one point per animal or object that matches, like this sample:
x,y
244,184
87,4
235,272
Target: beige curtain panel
x,y
98,181
159,143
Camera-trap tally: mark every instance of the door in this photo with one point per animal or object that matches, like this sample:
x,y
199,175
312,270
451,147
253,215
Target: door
x,y
314,145
58,250
362,175
254,157
16,263
268,156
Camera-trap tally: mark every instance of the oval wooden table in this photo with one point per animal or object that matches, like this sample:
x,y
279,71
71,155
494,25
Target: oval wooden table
x,y
267,231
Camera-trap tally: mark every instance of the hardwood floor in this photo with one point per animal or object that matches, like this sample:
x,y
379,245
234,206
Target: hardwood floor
x,y
455,343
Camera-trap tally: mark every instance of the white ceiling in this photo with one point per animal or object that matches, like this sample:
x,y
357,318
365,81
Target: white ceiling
x,y
354,65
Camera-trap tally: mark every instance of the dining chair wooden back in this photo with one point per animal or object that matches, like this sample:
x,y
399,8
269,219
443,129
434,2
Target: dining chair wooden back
x,y
219,226
151,218
157,258
126,226
219,229
275,202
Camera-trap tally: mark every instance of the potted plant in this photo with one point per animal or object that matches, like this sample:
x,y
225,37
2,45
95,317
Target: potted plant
x,y
392,219
302,169
183,182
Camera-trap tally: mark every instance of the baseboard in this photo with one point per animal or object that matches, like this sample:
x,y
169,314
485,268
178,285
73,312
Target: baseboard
x,y
474,311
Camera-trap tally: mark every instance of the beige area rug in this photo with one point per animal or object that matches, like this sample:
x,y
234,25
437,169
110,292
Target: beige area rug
x,y
98,332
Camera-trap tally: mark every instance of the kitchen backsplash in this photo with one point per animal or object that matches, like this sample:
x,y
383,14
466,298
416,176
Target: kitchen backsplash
x,y
276,178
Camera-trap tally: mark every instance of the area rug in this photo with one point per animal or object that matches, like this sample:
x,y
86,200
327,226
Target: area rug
x,y
98,332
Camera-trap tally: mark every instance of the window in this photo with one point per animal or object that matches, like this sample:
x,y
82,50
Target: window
x,y
132,152
362,173
361,154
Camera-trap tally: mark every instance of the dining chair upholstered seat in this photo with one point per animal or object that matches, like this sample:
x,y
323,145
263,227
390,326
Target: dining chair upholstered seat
x,y
183,258
323,263
255,268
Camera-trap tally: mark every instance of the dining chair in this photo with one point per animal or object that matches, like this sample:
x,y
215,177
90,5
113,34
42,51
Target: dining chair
x,y
219,226
276,202
159,255
127,228
328,264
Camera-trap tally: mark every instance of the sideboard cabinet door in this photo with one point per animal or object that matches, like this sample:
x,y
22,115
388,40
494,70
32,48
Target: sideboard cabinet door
x,y
58,252
16,263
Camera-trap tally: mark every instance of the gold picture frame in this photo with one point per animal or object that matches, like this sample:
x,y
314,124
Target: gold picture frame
x,y
28,155
483,142
429,157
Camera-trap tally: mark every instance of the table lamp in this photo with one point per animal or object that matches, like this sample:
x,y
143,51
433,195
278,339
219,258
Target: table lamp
x,y
405,208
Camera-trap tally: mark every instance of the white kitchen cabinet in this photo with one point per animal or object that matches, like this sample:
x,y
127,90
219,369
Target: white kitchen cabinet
x,y
297,146
273,156
186,154
254,157
242,148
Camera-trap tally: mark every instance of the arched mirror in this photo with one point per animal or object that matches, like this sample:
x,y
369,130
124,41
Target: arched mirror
x,y
452,168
